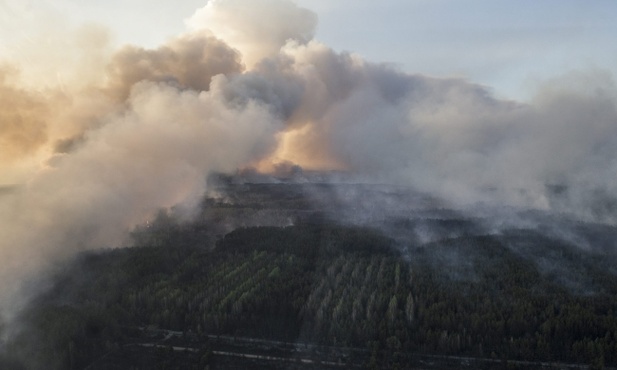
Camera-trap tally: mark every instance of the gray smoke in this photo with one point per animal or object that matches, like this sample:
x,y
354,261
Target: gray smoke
x,y
103,151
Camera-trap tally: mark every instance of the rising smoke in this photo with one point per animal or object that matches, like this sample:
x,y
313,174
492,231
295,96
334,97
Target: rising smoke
x,y
95,145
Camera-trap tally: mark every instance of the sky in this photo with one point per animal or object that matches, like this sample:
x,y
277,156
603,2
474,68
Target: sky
x,y
507,45
510,47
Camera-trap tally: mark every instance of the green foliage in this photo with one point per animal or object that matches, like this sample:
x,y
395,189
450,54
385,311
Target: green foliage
x,y
324,284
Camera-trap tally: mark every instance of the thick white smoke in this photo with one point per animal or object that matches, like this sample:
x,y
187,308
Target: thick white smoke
x,y
154,154
140,129
452,138
98,157
258,29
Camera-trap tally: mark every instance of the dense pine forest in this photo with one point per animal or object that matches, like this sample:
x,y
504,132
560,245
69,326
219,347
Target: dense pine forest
x,y
516,298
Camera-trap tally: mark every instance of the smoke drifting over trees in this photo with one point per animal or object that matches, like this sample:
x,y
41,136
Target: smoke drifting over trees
x,y
99,140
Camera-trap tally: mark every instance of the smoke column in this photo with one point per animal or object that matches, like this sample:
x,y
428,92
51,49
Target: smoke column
x,y
95,139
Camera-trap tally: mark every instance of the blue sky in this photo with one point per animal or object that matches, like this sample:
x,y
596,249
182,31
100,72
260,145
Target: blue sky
x,y
510,46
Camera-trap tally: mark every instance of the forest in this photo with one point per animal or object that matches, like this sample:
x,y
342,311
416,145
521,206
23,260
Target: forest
x,y
323,283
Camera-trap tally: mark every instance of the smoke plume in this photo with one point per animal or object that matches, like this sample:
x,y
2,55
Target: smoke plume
x,y
21,128
95,151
